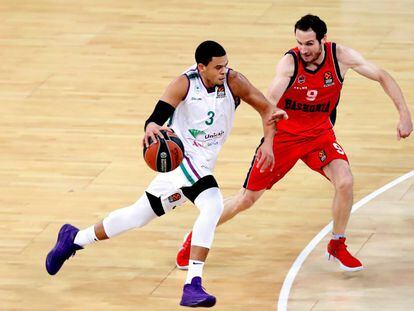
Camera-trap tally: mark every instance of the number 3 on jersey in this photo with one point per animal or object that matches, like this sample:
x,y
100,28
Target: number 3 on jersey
x,y
211,115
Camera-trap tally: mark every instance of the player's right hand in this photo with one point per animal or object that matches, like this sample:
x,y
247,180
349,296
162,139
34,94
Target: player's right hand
x,y
152,131
404,127
277,115
265,157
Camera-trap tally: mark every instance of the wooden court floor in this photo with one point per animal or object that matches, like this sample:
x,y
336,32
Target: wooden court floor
x,y
77,81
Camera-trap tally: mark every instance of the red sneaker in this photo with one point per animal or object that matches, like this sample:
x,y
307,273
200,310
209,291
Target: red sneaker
x,y
183,255
337,251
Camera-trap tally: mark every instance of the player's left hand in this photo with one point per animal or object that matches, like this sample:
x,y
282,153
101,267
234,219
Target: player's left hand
x,y
152,131
264,156
404,128
277,115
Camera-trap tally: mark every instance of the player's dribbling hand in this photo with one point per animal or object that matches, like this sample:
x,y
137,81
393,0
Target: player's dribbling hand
x,y
264,157
152,131
277,115
404,128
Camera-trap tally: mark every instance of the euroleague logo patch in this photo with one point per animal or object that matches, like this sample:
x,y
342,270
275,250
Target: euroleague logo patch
x,y
322,155
328,79
174,197
221,91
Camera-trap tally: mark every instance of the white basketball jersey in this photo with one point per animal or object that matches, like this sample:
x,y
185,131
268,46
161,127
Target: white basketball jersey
x,y
203,120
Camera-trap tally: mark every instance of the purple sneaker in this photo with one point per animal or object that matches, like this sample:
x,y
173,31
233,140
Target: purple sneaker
x,y
195,296
63,249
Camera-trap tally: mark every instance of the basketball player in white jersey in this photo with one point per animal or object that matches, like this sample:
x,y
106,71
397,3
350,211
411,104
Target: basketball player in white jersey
x,y
200,105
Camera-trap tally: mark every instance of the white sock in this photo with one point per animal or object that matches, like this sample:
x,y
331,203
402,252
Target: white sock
x,y
195,268
86,236
337,236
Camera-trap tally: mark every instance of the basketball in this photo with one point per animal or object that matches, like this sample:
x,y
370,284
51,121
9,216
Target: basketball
x,y
166,155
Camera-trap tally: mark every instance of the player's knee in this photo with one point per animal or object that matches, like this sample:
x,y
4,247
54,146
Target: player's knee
x,y
210,202
345,183
246,201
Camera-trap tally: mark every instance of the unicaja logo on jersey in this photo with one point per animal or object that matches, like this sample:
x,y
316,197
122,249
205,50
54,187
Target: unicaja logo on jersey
x,y
195,132
207,140
214,135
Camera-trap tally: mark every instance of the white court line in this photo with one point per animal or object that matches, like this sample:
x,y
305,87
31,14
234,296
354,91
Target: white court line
x,y
294,269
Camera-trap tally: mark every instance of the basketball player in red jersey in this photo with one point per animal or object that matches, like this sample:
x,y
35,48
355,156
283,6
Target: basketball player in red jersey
x,y
307,86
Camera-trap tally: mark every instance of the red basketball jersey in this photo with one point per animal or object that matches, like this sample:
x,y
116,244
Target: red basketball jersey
x,y
311,98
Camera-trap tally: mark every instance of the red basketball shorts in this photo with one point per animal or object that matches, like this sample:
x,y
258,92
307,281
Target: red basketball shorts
x,y
316,152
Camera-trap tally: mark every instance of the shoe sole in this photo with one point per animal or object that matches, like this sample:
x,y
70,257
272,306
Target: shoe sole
x,y
181,267
341,265
208,303
176,263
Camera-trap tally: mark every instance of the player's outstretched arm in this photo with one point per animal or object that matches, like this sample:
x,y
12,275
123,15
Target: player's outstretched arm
x,y
349,58
173,95
284,72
